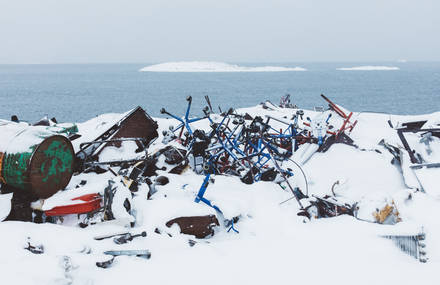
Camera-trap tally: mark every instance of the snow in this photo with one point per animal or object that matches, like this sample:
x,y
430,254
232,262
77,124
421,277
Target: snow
x,y
274,244
19,137
210,66
10,130
369,68
5,205
126,151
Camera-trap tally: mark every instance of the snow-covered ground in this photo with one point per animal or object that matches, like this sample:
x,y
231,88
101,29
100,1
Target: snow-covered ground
x,y
273,245
209,66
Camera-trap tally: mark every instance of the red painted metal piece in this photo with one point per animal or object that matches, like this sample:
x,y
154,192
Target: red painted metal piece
x,y
87,197
224,162
342,129
180,135
91,202
341,113
334,107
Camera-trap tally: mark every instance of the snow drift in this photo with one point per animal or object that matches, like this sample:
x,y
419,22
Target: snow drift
x,y
369,68
211,66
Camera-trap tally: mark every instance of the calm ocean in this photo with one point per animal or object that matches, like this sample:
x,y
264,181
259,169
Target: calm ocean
x,y
82,91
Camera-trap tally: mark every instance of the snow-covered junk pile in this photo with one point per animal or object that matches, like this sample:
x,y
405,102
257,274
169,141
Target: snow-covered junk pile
x,y
129,185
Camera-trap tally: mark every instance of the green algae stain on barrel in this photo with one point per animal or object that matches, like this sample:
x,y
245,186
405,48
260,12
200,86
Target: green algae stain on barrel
x,y
37,161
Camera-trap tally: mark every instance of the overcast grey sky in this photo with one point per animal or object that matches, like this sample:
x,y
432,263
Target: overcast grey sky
x,y
81,31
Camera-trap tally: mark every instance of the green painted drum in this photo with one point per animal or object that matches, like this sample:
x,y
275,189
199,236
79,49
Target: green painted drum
x,y
37,160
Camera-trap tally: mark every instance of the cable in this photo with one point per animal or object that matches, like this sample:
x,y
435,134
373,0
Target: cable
x,y
305,177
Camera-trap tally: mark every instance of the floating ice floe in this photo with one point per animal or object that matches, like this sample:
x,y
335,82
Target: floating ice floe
x,y
369,68
211,66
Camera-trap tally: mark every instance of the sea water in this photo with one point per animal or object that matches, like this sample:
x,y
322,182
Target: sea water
x,y
81,91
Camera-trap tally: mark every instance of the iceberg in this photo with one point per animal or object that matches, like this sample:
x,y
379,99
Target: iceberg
x,y
369,68
211,66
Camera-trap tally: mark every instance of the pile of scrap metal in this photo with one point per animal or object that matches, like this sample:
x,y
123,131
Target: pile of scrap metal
x,y
47,160
37,163
253,148
239,141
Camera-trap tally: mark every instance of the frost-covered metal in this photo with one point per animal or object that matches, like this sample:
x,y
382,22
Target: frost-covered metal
x,y
412,245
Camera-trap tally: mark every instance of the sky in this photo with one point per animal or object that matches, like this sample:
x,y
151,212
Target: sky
x,y
153,31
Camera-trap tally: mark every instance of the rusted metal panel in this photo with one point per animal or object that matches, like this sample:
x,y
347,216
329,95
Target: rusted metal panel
x,y
198,226
136,124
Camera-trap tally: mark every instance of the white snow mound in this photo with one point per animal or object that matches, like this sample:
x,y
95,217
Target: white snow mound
x,y
211,66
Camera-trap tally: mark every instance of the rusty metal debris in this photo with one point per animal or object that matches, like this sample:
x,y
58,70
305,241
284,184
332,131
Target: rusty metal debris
x,y
136,126
198,226
327,207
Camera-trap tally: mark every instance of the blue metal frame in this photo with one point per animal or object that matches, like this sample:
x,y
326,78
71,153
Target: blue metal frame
x,y
185,121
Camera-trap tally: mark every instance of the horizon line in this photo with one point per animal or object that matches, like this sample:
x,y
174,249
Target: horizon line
x,y
251,62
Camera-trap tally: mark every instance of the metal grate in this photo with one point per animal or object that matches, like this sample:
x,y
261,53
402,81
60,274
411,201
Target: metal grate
x,y
412,245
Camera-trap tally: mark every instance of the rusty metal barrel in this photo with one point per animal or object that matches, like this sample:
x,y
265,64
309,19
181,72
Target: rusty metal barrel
x,y
35,159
